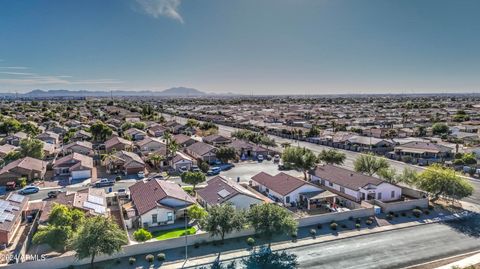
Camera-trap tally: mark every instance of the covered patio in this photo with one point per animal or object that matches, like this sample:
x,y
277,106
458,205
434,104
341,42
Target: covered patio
x,y
324,200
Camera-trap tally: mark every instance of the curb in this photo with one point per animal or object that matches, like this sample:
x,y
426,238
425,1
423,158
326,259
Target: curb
x,y
313,243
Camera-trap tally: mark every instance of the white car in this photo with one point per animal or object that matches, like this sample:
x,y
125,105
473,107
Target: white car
x,y
276,158
141,174
260,158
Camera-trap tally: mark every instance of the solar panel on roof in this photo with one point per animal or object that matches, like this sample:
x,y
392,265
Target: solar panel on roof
x,y
16,198
9,217
223,193
95,199
97,208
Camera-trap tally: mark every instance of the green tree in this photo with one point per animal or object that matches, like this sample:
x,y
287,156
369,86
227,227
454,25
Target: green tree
x,y
269,219
100,131
142,235
265,258
12,156
10,125
332,156
441,181
197,213
300,158
54,236
31,148
369,164
30,129
388,174
408,176
192,123
225,154
223,219
193,178
440,128
98,235
156,159
469,158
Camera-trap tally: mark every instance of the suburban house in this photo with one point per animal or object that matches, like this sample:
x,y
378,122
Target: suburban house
x,y
49,150
152,145
117,143
175,127
76,166
216,140
247,150
181,161
353,185
27,167
15,138
125,162
135,134
283,187
90,200
82,147
49,137
220,190
156,130
423,150
6,149
11,216
81,135
155,203
363,143
183,140
202,151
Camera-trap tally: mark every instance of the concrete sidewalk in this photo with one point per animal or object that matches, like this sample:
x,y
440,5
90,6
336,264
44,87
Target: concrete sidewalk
x,y
240,253
472,260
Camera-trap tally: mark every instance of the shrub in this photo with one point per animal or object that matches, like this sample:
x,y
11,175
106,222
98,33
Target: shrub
x,y
313,232
132,260
250,241
333,226
431,207
396,215
149,258
142,235
357,225
417,212
358,220
426,212
161,257
371,218
319,226
118,178
403,214
196,245
118,261
368,222
294,234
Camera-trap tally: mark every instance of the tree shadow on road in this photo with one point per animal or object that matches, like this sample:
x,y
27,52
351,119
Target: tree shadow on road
x,y
469,226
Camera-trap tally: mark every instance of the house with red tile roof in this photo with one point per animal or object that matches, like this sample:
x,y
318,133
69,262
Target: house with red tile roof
x,y
155,202
283,187
355,186
75,165
220,190
117,143
27,167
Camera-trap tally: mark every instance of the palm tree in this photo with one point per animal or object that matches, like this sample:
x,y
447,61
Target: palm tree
x,y
156,159
109,160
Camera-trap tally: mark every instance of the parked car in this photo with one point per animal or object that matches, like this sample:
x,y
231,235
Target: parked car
x,y
195,168
53,194
155,176
141,174
11,186
214,171
226,166
29,190
269,157
183,169
276,158
104,182
260,158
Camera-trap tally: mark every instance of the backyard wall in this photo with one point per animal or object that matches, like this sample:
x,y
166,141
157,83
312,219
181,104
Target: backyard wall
x,y
402,205
336,216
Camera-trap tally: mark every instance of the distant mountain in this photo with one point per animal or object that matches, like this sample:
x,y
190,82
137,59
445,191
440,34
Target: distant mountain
x,y
172,92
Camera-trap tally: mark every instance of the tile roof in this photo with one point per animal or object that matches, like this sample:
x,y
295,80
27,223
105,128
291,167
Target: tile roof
x,y
26,163
210,193
281,183
344,177
201,148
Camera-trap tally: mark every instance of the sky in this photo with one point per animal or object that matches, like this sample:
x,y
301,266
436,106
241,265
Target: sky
x,y
241,46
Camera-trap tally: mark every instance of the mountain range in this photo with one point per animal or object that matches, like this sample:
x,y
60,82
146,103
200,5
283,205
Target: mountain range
x,y
175,91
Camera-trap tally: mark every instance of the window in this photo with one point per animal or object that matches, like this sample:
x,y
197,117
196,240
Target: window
x,y
342,189
330,183
266,190
393,194
287,199
154,218
169,216
322,182
379,196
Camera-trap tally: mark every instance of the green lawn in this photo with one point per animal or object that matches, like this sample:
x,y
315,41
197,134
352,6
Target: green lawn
x,y
167,234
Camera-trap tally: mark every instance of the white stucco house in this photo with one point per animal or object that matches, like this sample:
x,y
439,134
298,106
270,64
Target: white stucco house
x,y
283,187
355,186
156,202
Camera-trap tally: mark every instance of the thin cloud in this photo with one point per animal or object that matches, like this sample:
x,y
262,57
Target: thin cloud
x,y
159,8
13,67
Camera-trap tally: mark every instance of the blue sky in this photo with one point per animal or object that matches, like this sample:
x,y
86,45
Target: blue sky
x,y
242,46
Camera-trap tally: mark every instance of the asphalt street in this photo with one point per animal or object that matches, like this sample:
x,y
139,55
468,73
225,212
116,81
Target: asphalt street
x,y
393,249
350,155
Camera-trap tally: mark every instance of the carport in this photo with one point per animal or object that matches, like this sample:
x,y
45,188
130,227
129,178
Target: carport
x,y
317,199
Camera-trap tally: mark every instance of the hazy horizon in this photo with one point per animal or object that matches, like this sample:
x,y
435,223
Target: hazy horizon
x,y
268,47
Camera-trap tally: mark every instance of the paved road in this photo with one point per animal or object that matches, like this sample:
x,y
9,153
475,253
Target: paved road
x,y
393,249
351,156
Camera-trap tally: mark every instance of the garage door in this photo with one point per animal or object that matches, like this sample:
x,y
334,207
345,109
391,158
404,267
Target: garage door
x,y
82,174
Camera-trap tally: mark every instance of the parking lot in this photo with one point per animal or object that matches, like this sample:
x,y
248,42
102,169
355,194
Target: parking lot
x,y
245,170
